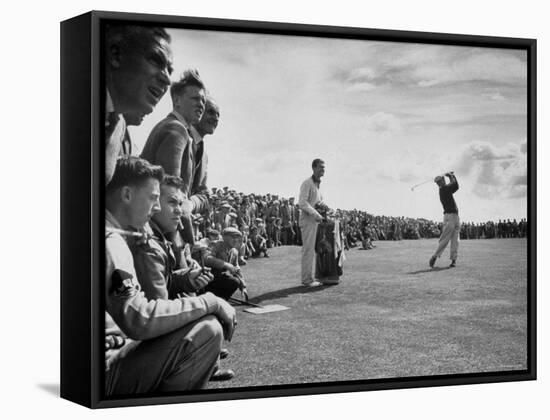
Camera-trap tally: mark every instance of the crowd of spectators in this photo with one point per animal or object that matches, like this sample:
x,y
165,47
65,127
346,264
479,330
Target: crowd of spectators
x,y
274,219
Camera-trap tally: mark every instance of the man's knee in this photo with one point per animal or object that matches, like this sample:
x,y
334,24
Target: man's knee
x,y
206,330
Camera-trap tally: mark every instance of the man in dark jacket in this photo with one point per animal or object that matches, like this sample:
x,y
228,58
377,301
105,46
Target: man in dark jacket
x,y
451,222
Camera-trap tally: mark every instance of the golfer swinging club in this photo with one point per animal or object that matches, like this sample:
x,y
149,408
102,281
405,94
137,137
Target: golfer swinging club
x,y
451,222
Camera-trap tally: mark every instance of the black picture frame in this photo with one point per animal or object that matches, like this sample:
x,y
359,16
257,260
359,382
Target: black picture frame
x,y
82,203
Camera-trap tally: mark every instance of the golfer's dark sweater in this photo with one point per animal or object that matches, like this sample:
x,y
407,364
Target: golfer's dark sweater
x,y
446,196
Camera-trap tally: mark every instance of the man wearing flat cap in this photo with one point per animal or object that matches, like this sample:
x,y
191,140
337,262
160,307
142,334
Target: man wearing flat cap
x,y
223,259
451,222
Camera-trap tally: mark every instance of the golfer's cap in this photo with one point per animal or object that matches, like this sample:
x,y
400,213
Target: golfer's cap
x,y
226,206
259,220
231,231
438,178
232,215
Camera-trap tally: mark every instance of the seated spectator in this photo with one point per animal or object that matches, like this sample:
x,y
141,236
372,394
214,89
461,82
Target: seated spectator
x,y
162,275
223,259
258,239
181,338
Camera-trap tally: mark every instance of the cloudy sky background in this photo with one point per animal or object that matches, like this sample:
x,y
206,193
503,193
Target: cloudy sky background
x,y
384,117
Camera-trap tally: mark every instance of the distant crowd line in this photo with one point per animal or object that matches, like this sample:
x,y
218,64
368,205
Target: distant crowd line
x,y
268,220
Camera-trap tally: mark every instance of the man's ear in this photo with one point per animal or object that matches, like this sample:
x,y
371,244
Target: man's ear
x,y
113,56
126,194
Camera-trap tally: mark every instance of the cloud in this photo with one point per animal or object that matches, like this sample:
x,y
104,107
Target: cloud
x,y
523,147
493,94
495,171
362,87
480,150
381,122
429,65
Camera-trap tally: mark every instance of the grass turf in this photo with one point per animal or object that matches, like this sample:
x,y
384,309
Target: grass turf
x,y
391,315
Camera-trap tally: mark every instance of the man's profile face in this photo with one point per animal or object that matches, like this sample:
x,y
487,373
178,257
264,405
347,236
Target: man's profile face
x,y
191,104
209,120
140,75
171,202
143,202
319,170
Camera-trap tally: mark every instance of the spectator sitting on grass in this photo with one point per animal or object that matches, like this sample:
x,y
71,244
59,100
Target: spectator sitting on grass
x,y
223,259
258,238
163,263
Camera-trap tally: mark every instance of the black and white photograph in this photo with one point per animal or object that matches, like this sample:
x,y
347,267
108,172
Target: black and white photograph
x,y
289,209
275,210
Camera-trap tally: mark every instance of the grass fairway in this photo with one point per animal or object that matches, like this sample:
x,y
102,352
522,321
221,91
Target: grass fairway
x,y
391,315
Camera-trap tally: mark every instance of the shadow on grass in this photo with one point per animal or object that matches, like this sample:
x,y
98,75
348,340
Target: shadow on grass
x,y
277,294
429,270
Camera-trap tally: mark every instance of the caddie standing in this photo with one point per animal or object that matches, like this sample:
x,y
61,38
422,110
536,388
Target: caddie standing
x,y
310,196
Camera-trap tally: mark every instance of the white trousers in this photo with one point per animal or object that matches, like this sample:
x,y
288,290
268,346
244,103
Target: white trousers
x,y
450,232
309,233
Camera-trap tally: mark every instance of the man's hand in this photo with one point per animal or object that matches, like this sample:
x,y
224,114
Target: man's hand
x,y
114,354
200,279
318,218
232,269
228,318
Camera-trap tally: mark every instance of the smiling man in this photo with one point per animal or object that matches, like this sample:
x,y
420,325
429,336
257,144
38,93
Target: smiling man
x,y
137,69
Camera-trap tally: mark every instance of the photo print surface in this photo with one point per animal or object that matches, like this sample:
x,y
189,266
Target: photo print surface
x,y
285,210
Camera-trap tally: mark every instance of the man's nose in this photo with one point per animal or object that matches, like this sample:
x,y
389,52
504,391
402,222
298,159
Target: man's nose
x,y
164,77
156,206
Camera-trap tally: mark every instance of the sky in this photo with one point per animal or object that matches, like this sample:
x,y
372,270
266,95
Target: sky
x,y
384,116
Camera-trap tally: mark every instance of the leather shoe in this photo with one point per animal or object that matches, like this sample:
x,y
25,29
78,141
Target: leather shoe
x,y
224,353
453,264
222,375
313,284
432,261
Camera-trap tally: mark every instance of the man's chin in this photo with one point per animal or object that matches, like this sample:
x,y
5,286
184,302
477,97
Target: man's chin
x,y
146,108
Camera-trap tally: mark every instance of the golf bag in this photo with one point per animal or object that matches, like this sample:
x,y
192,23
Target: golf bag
x,y
328,250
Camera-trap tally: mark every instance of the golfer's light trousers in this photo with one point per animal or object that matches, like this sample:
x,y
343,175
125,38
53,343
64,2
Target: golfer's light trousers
x,y
450,232
309,233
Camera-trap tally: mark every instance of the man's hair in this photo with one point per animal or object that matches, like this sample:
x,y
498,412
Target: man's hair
x,y
210,101
188,78
133,37
172,181
133,171
316,162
